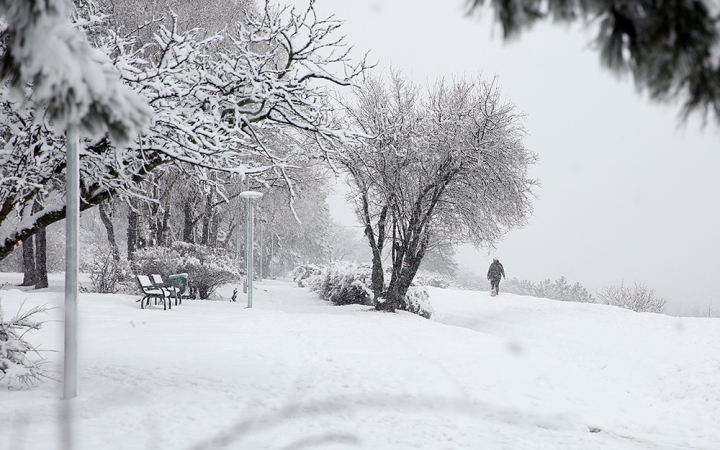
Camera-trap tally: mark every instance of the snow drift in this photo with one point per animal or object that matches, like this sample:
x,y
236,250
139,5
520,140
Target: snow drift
x,y
509,372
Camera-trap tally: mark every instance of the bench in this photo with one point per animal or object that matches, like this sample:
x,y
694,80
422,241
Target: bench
x,y
150,290
172,290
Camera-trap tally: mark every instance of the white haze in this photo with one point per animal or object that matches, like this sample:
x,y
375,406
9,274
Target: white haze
x,y
628,193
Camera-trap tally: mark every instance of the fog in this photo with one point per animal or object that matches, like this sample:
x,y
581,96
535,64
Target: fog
x,y
629,193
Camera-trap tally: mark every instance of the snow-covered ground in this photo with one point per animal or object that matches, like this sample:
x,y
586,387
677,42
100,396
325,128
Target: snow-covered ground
x,y
294,372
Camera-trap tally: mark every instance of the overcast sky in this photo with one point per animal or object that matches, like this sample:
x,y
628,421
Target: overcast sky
x,y
627,193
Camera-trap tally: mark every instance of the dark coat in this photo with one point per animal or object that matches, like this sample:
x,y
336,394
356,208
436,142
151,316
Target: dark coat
x,y
496,270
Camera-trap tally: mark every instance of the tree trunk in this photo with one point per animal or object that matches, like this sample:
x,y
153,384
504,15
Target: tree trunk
x,y
188,223
207,221
378,276
214,229
405,268
110,229
28,262
132,232
378,283
205,236
164,235
272,255
41,276
28,254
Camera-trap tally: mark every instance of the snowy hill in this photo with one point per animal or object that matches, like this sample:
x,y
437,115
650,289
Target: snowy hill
x,y
509,372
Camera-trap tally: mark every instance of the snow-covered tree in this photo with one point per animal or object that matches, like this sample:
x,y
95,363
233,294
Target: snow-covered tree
x,y
445,168
298,236
210,16
213,111
671,47
71,82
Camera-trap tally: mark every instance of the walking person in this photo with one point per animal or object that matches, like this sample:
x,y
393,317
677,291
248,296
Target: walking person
x,y
495,271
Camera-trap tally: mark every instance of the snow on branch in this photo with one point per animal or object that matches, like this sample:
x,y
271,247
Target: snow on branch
x,y
72,82
243,108
17,363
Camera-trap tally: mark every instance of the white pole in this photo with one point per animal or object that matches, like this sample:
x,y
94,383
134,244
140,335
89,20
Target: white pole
x,y
272,254
260,269
250,254
237,238
248,243
249,196
72,219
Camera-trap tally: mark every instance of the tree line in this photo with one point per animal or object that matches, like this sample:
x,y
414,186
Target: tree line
x,y
233,96
247,102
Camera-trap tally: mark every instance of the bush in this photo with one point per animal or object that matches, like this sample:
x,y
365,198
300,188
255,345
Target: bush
x,y
307,275
640,298
555,290
433,279
417,301
107,276
207,267
345,283
20,362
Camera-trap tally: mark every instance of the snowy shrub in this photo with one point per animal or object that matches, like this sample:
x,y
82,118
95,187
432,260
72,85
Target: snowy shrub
x,y
577,293
639,298
555,290
107,275
417,301
345,283
307,275
20,361
150,260
515,286
207,267
433,279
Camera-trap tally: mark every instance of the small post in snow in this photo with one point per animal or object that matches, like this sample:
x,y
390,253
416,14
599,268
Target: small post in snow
x,y
250,196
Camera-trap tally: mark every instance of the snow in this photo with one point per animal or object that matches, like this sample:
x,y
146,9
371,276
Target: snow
x,y
73,81
509,372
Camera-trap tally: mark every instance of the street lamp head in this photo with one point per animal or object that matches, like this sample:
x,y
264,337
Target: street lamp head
x,y
252,195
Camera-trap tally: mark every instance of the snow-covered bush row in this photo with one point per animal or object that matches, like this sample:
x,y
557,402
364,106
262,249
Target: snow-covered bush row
x,y
345,283
639,298
555,290
207,267
433,279
308,275
20,361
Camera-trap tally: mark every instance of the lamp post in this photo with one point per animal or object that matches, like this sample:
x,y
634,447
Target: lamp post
x,y
72,218
249,196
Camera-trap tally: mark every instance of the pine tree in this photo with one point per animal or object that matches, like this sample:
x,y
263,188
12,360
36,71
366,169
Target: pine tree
x,y
669,46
